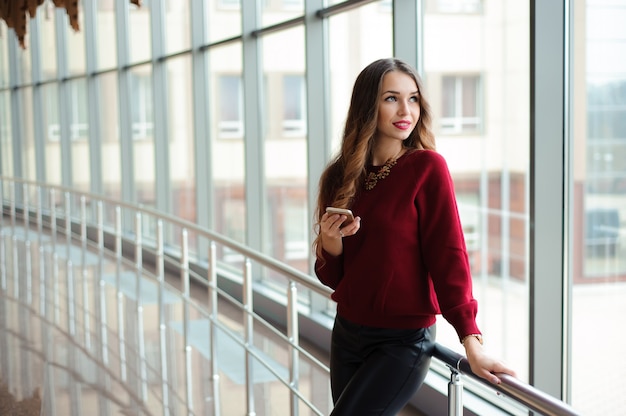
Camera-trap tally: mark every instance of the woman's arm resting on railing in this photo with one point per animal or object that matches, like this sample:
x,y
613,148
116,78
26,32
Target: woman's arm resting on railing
x,y
482,364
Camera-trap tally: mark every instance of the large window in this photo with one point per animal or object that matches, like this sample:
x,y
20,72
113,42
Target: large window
x,y
598,245
487,150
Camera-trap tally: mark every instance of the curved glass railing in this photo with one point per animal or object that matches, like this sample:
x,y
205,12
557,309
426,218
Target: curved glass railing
x,y
111,307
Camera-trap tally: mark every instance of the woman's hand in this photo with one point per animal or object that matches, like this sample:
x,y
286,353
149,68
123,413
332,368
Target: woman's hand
x,y
482,365
332,232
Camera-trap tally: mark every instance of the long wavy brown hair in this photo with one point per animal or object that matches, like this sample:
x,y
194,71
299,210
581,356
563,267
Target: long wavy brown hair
x,y
344,176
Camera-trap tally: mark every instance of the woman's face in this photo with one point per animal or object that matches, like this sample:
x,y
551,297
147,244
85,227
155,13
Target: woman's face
x,y
398,106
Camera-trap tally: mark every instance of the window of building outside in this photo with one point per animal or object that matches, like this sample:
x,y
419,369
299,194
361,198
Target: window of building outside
x,y
79,128
142,106
230,123
294,123
460,104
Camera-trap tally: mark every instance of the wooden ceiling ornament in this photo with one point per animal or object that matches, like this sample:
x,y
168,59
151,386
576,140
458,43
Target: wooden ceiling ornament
x,y
14,13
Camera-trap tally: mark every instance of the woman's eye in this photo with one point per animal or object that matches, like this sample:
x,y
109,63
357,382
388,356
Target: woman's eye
x,y
391,98
415,99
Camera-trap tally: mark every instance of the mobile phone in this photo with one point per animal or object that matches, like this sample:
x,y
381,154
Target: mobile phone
x,y
341,211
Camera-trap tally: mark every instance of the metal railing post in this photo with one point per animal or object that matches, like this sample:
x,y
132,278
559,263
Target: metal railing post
x,y
455,394
215,372
162,327
101,311
83,245
293,336
25,319
68,223
248,321
184,275
143,372
16,269
12,205
120,296
28,283
39,215
53,220
25,208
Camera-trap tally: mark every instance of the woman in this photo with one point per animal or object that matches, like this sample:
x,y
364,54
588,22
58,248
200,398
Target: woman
x,y
403,259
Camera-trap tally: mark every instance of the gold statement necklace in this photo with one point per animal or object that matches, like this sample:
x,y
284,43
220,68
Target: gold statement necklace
x,y
373,178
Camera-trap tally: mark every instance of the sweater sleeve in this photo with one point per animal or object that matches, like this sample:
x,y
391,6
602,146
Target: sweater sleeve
x,y
443,246
329,269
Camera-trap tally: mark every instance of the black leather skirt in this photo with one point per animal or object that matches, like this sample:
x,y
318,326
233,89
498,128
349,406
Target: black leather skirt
x,y
375,371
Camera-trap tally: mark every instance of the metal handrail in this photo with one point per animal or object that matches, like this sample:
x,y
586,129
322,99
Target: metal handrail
x,y
511,387
302,278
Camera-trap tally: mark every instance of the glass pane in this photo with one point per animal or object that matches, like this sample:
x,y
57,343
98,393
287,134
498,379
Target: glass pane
x,y
227,152
142,119
79,133
491,185
27,139
106,34
4,60
367,33
48,44
110,127
182,150
76,45
224,19
139,32
598,244
52,132
276,11
178,26
285,134
24,56
6,139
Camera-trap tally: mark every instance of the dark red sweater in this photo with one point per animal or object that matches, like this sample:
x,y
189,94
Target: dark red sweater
x,y
408,262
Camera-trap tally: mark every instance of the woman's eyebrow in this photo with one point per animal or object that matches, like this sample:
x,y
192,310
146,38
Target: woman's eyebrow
x,y
398,92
